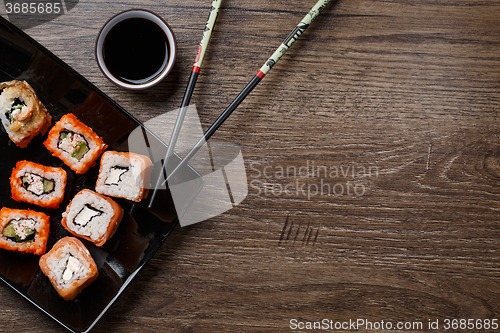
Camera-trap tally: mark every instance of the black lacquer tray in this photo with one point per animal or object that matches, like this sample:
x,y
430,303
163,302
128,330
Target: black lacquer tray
x,y
141,232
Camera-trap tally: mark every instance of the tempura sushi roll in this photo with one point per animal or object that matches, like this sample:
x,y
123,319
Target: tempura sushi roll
x,y
92,216
69,267
124,175
38,184
23,115
74,143
25,231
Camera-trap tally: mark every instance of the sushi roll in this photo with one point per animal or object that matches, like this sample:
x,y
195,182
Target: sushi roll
x,y
25,231
74,143
92,216
69,267
124,175
23,115
38,184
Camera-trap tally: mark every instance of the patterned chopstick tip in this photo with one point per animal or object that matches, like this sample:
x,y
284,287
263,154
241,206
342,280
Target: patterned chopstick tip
x,y
207,32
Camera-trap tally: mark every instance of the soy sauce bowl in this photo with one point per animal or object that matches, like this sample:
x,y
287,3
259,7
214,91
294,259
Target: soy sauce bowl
x,y
136,49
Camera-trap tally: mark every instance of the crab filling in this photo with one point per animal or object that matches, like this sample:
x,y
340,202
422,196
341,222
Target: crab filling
x,y
72,266
85,215
37,184
73,143
15,111
22,230
115,175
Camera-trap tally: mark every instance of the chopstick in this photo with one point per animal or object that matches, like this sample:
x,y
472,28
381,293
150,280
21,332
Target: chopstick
x,y
280,51
193,77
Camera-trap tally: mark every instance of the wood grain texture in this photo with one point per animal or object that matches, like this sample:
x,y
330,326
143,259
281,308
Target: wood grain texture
x,y
396,99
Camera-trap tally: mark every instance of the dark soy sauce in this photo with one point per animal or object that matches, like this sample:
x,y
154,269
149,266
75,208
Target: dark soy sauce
x,y
136,51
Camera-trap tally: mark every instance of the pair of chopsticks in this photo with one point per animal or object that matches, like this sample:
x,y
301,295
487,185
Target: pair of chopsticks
x,y
275,57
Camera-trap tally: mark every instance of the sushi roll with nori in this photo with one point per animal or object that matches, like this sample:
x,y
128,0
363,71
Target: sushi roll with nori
x,y
92,216
124,175
23,115
38,184
25,231
76,144
69,267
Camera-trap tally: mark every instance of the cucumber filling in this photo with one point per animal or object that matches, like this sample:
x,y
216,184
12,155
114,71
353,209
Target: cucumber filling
x,y
22,230
73,143
17,105
80,150
37,184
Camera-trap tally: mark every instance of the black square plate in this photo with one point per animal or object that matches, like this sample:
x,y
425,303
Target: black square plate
x,y
141,232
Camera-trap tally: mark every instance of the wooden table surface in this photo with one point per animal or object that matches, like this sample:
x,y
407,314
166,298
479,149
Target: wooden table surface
x,y
391,103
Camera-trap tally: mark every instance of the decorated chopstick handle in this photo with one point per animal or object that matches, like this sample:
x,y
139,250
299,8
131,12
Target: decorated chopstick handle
x,y
207,32
292,37
287,43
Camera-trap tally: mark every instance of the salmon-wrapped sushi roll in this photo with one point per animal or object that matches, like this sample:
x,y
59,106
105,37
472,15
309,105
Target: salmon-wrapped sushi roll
x,y
92,216
69,267
25,231
38,184
23,115
76,144
124,175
